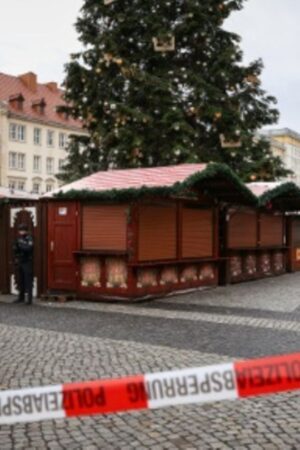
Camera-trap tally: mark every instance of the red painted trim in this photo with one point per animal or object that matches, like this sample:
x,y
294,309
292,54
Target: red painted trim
x,y
179,229
216,234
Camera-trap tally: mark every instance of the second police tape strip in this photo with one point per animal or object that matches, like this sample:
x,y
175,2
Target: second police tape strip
x,y
150,391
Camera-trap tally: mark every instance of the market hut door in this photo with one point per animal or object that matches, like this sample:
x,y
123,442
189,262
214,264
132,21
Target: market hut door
x,y
29,216
62,243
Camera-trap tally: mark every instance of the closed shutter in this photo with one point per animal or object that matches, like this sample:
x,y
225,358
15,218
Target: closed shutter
x,y
197,233
271,230
242,229
104,227
296,233
157,232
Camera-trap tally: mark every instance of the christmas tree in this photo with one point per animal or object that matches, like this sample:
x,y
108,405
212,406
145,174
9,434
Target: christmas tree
x,y
162,82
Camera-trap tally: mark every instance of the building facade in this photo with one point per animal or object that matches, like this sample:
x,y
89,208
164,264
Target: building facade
x,y
33,133
285,143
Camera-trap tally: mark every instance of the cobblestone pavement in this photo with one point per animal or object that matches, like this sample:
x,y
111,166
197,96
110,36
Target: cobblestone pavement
x,y
55,343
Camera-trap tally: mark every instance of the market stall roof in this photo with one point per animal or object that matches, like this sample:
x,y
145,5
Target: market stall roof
x,y
216,180
12,194
260,187
284,196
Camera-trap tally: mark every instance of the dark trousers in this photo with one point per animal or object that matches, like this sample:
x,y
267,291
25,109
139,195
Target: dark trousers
x,y
25,281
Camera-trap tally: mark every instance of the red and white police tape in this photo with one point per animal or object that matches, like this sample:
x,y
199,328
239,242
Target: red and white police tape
x,y
157,390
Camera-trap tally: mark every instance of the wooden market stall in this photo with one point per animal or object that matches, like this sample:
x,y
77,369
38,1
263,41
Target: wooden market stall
x,y
286,197
256,239
293,236
18,207
139,232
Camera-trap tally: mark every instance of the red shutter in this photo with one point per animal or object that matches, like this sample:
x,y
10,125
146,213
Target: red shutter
x,y
104,227
197,233
271,230
157,232
296,232
242,229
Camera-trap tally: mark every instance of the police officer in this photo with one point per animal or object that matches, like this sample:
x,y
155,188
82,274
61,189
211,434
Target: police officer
x,y
23,253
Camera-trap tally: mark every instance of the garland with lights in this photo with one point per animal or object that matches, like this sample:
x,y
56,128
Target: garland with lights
x,y
161,83
195,181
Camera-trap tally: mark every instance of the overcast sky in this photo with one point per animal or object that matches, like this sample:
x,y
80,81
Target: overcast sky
x,y
38,35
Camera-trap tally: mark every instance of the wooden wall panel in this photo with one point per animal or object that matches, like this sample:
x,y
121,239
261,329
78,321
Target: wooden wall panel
x,y
104,227
242,229
157,232
197,232
271,230
296,232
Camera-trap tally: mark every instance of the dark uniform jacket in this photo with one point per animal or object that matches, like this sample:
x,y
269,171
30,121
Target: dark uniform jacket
x,y
23,250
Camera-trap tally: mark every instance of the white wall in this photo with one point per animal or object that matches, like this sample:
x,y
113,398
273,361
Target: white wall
x,y
29,149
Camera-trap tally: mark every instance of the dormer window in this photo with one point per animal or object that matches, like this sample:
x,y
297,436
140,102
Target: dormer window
x,y
16,101
63,111
39,106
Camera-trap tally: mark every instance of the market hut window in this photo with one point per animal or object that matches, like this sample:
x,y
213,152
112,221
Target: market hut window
x,y
104,227
271,230
242,229
197,232
157,232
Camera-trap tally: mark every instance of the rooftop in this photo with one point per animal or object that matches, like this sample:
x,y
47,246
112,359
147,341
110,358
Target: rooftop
x,y
134,178
6,193
215,180
27,99
281,132
260,187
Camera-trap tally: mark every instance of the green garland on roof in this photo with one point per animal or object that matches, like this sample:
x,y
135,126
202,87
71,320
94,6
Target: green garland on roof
x,y
213,171
120,195
286,190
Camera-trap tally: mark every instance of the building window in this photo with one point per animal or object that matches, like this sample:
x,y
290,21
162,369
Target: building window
x,y
50,166
49,187
37,136
12,184
17,132
16,161
50,138
36,187
13,132
21,133
61,163
63,140
37,163
16,184
21,185
12,160
21,161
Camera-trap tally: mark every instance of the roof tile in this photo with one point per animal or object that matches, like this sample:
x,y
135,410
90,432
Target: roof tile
x,y
133,178
12,86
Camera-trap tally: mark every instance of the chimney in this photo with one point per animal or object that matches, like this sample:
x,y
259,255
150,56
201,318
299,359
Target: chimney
x,y
52,85
30,80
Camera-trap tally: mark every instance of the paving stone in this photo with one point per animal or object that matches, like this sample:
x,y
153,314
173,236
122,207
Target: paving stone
x,y
82,341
